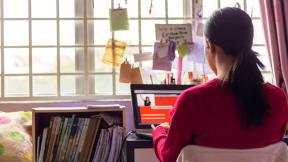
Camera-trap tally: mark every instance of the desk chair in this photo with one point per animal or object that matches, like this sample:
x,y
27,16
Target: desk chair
x,y
277,152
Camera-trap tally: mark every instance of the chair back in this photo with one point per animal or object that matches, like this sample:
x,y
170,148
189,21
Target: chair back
x,y
277,152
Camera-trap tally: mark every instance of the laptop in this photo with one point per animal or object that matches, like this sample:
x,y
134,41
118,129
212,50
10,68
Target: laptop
x,y
152,104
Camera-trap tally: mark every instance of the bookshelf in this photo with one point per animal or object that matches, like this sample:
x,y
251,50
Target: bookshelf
x,y
41,119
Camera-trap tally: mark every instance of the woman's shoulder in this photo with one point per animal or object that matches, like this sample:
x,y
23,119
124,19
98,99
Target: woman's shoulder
x,y
202,88
272,89
275,94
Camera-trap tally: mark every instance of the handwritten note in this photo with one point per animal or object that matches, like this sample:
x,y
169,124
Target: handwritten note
x,y
179,33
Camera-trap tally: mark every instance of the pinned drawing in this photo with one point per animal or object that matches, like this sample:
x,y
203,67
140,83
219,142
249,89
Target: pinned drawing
x,y
164,54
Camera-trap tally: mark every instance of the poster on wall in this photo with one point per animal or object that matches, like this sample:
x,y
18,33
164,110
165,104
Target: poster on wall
x,y
179,33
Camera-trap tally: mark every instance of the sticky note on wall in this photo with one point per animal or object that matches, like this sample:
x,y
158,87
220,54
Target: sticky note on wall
x,y
119,19
114,53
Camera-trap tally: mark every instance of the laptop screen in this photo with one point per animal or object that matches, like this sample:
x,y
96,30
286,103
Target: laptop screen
x,y
152,103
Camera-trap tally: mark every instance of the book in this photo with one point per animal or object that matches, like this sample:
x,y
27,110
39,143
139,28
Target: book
x,y
116,142
100,143
42,148
38,148
71,139
107,143
93,141
60,140
54,134
82,138
90,138
46,148
77,138
66,138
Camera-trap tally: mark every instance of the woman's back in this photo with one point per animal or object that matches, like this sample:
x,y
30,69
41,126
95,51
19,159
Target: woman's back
x,y
216,121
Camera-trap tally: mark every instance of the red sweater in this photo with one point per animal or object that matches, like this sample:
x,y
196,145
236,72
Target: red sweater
x,y
208,115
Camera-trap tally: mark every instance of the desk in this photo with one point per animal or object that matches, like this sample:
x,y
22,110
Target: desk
x,y
139,150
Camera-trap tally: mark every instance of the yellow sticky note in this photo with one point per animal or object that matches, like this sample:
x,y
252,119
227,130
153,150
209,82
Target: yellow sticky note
x,y
114,53
119,19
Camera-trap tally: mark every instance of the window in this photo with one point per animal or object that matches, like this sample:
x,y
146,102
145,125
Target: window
x,y
53,49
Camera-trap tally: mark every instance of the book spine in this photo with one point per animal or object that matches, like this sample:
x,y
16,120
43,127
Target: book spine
x,y
54,137
60,143
99,145
51,138
66,140
82,138
94,135
84,152
48,140
109,133
71,140
63,142
58,139
38,147
78,134
42,149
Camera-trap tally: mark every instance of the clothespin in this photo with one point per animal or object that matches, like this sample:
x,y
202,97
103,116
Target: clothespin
x,y
252,11
163,41
237,5
172,79
93,3
126,61
151,79
119,6
151,6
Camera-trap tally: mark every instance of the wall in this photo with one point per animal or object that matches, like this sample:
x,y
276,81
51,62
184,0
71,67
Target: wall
x,y
10,107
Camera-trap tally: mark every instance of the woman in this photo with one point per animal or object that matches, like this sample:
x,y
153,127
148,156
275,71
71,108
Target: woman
x,y
147,101
237,110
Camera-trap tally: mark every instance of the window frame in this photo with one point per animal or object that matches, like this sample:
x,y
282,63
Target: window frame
x,y
87,82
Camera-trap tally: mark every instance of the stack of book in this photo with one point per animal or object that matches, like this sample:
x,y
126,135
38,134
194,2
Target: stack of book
x,y
69,139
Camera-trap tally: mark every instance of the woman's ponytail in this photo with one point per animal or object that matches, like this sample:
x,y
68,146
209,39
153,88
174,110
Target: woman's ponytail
x,y
246,82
